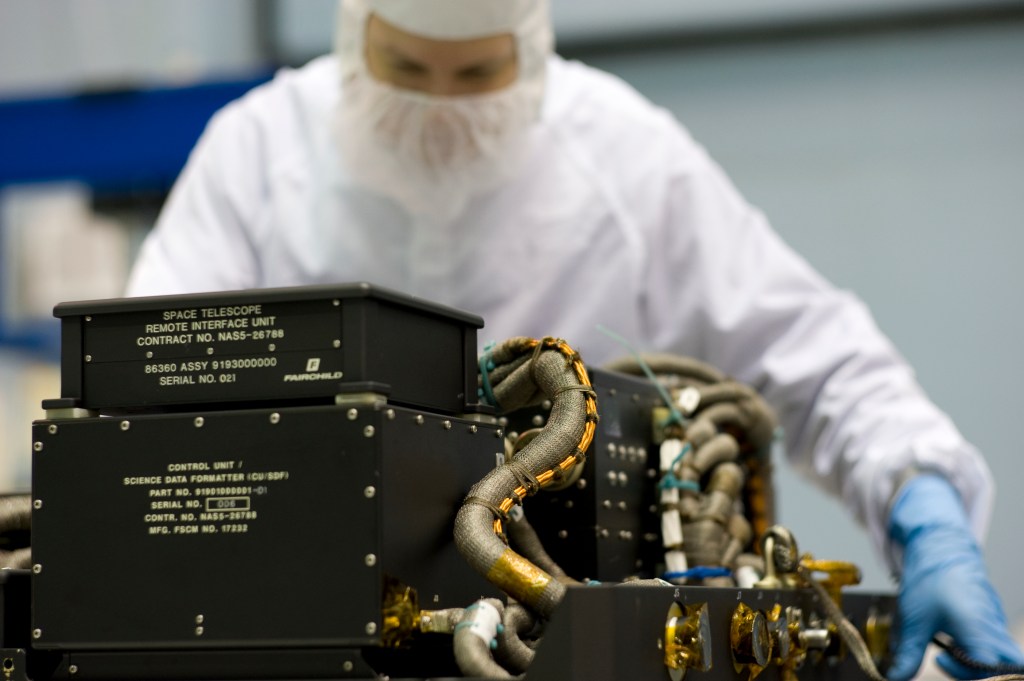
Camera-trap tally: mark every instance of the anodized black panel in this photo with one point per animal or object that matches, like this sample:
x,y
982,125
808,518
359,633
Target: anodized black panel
x,y
605,633
269,528
602,527
245,347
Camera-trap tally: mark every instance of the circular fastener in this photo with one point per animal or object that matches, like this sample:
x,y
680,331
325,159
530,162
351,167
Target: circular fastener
x,y
336,303
52,430
209,351
603,533
347,666
37,568
38,446
625,535
352,414
651,473
568,503
371,628
38,503
419,419
503,421
546,405
125,425
37,633
537,420
275,418
200,619
473,428
336,343
623,478
370,559
446,424
622,505
611,449
199,631
607,503
581,483
88,358
370,492
88,318
73,669
149,354
390,414
199,421
499,433
271,347
368,431
562,534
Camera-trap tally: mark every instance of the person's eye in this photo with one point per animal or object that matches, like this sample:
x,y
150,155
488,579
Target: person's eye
x,y
483,71
408,67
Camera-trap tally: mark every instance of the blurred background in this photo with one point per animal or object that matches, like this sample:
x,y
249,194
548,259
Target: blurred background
x,y
884,140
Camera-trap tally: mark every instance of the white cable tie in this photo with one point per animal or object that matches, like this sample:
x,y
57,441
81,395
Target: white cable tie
x,y
484,622
671,529
746,576
675,561
669,452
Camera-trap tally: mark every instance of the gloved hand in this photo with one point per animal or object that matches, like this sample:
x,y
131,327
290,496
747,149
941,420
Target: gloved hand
x,y
944,586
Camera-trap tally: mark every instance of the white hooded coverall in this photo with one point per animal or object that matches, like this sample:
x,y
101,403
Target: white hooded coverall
x,y
618,218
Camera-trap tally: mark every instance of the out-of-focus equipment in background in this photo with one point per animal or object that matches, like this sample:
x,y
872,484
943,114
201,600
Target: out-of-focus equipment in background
x,y
327,482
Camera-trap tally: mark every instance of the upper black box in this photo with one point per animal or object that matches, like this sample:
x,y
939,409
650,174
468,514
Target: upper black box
x,y
299,344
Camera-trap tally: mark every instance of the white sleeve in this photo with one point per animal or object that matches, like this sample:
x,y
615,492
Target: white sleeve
x,y
855,418
203,238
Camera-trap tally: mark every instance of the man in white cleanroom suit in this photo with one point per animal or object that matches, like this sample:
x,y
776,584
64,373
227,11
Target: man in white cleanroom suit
x,y
445,151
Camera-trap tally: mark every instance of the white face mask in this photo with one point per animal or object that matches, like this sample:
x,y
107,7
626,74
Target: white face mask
x,y
432,154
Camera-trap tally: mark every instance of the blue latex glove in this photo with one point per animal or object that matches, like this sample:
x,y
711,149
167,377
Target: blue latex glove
x,y
944,586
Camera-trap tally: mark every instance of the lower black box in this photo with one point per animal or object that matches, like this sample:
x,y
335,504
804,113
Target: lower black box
x,y
242,529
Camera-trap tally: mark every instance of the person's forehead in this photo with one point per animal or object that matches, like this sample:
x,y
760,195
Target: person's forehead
x,y
384,35
456,19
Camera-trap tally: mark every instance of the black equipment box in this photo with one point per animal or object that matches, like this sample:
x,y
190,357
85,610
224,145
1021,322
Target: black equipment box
x,y
258,528
308,344
607,525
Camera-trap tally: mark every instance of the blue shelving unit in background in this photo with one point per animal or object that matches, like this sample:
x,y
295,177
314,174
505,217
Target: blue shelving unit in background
x,y
119,142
